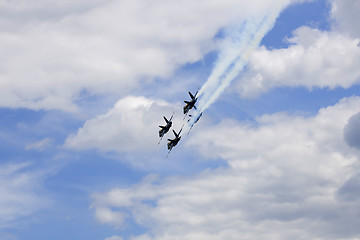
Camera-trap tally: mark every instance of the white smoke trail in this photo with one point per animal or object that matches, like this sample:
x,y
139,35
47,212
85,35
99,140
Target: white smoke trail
x,y
238,45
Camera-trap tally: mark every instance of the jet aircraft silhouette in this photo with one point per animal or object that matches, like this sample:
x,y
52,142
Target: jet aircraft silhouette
x,y
191,104
164,129
173,142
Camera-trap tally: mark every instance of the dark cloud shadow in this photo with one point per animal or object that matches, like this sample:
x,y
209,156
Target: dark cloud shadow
x,y
352,131
350,190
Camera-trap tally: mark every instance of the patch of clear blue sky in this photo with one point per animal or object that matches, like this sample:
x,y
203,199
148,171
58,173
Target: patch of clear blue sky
x,y
70,216
58,224
314,14
298,101
72,177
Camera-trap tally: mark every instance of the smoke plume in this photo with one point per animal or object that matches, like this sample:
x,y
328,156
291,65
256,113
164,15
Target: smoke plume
x,y
237,47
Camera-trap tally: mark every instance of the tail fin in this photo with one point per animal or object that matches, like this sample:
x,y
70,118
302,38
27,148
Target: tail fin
x,y
192,97
197,91
180,130
172,116
165,119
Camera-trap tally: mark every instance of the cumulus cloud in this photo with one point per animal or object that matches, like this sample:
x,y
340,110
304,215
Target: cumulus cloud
x,y
106,215
314,59
283,182
345,16
130,128
19,191
54,50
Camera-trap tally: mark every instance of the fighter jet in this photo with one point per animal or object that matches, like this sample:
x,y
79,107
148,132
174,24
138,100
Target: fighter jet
x,y
164,129
191,104
173,142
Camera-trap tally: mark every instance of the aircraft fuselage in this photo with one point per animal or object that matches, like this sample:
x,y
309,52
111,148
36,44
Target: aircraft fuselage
x,y
172,143
165,129
189,105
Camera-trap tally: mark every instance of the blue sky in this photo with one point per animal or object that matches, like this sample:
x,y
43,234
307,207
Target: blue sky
x,y
84,86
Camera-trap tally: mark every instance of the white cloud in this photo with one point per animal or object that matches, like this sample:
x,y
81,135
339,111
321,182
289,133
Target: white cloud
x,y
125,127
316,59
130,127
53,50
114,238
106,215
19,193
345,16
287,179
